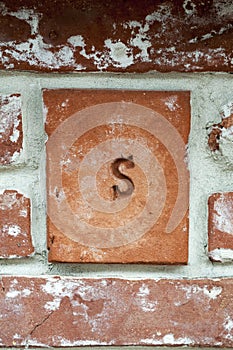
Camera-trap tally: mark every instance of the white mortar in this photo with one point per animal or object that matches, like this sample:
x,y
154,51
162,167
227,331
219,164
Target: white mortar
x,y
209,94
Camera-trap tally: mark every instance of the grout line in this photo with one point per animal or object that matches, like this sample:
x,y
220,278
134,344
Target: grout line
x,y
29,176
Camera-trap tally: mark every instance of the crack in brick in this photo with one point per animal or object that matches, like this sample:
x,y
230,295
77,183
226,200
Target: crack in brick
x,y
41,323
45,319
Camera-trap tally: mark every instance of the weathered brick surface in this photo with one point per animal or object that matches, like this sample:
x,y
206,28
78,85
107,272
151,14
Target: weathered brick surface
x,y
131,35
91,216
223,130
11,134
221,227
57,311
15,236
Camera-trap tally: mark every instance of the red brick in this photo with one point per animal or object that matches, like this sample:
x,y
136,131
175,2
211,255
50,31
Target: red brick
x,y
222,129
87,131
15,225
11,134
221,227
61,312
132,36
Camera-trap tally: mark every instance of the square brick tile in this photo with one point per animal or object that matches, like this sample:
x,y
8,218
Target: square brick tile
x,y
117,180
15,225
11,134
221,227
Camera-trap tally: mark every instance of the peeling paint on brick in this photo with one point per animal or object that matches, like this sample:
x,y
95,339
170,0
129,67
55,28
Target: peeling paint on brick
x,y
11,133
183,36
14,227
221,134
223,218
89,312
222,255
220,227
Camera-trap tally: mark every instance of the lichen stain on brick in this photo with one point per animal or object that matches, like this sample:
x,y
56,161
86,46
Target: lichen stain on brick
x,y
11,134
182,35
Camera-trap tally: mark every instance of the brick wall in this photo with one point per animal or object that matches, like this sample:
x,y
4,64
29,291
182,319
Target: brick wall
x,y
116,195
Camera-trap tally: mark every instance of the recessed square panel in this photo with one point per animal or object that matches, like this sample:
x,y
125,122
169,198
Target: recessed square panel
x,y
117,178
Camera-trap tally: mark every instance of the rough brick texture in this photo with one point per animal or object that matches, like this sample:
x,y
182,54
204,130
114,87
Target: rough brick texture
x,y
70,312
11,134
222,131
15,236
91,216
134,36
221,227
